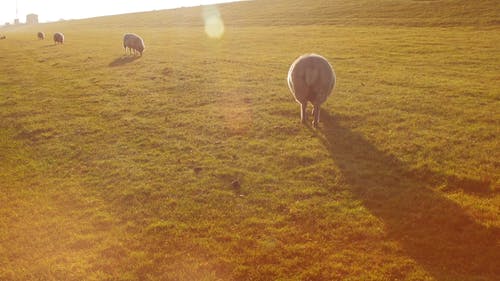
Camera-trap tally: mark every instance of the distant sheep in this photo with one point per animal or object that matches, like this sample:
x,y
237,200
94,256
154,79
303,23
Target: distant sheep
x,y
58,38
311,79
3,37
133,42
41,35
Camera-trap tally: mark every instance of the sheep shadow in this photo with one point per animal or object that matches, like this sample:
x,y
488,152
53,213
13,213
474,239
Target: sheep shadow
x,y
434,231
123,60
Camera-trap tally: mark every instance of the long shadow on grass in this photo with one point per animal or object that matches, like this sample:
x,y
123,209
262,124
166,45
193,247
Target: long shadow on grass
x,y
434,231
123,60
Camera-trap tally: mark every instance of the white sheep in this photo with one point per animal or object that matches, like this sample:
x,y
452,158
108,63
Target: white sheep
x,y
311,79
41,35
58,38
133,42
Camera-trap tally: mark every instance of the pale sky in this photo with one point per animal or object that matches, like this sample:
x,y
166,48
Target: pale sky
x,y
54,10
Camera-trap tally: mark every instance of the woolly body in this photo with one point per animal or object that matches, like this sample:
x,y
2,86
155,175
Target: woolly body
x,y
311,79
58,38
133,42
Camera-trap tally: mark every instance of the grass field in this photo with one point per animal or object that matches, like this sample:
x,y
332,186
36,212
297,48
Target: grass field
x,y
124,168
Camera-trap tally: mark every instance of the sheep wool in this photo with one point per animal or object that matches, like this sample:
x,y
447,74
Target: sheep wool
x,y
58,38
311,79
134,42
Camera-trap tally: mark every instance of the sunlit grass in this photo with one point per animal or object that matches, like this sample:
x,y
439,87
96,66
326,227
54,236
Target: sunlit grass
x,y
125,169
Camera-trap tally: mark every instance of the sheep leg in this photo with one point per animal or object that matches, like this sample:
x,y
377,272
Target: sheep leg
x,y
303,114
316,115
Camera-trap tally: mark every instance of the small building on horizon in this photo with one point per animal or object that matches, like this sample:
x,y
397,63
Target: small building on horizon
x,y
16,21
31,19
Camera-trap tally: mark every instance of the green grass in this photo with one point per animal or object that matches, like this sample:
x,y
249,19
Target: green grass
x,y
121,169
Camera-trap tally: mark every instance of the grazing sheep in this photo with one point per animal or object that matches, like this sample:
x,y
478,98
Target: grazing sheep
x,y
133,42
58,38
311,79
2,37
41,35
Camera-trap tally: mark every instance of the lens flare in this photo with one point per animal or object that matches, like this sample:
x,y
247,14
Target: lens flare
x,y
214,26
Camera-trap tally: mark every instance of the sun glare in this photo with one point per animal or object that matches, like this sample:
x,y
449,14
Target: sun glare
x,y
214,26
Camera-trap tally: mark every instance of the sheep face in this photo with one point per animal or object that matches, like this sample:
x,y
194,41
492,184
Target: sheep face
x,y
140,48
